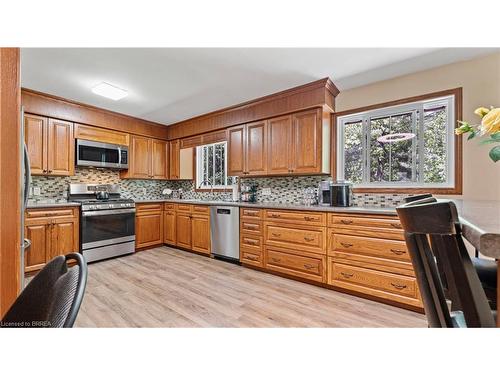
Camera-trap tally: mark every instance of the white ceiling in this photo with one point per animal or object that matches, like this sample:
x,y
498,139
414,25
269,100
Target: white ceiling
x,y
167,85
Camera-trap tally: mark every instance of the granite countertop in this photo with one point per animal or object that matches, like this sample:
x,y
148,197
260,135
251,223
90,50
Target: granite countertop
x,y
52,204
281,206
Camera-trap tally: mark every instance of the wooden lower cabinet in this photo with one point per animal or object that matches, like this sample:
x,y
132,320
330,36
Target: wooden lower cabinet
x,y
252,237
169,235
308,266
52,232
200,229
183,230
148,225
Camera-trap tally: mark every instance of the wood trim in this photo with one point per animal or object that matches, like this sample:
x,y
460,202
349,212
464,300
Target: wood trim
x,y
10,174
48,105
456,190
320,93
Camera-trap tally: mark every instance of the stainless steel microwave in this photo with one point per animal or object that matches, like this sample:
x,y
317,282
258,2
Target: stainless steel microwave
x,y
99,154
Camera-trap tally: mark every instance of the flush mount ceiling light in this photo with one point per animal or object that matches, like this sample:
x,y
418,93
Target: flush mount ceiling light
x,y
109,91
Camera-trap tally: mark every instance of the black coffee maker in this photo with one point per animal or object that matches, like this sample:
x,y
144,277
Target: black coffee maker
x,y
341,194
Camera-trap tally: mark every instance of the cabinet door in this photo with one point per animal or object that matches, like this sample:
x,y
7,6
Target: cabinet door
x,y
174,162
186,164
60,148
256,148
37,254
183,230
236,148
169,227
64,236
35,137
200,226
148,229
306,142
140,157
279,145
159,160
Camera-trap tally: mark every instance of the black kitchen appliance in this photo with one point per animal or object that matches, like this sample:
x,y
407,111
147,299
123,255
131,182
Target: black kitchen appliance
x,y
341,194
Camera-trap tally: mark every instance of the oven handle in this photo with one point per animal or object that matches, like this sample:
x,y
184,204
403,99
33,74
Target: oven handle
x,y
109,212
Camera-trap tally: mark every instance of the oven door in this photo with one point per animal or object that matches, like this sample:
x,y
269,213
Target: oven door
x,y
98,154
107,227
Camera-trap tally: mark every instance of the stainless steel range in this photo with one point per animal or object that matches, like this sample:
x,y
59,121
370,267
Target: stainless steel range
x,y
107,221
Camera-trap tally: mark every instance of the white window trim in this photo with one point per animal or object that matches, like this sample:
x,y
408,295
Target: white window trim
x,y
394,110
199,171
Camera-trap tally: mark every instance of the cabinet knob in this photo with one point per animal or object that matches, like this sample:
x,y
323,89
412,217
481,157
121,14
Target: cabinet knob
x,y
44,171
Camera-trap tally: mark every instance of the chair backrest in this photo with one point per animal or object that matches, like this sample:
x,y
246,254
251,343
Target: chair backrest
x,y
438,221
53,297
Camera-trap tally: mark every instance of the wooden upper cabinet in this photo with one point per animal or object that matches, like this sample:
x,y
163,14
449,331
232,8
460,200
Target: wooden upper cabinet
x,y
159,159
174,160
256,148
93,133
236,151
279,145
50,144
61,148
35,138
307,145
140,151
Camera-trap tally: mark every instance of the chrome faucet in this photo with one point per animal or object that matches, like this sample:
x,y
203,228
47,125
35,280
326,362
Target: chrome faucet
x,y
207,181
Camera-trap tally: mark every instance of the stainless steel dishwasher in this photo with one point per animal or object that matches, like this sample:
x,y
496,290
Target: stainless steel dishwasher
x,y
225,232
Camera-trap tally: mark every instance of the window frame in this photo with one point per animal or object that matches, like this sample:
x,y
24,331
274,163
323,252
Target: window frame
x,y
198,171
454,150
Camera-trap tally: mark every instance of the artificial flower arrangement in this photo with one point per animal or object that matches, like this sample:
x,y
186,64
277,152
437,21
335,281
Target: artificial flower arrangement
x,y
490,126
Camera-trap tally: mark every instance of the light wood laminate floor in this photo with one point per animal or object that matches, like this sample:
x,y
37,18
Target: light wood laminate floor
x,y
166,287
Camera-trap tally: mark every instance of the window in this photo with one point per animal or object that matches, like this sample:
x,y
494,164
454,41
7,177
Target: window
x,y
211,167
410,145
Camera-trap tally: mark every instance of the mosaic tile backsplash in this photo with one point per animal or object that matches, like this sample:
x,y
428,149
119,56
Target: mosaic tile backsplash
x,y
288,190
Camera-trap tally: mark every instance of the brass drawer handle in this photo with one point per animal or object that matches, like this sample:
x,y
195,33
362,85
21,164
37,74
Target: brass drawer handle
x,y
250,226
347,275
275,215
276,234
398,252
251,242
251,257
277,260
395,225
250,213
309,266
346,221
308,239
308,218
345,244
398,286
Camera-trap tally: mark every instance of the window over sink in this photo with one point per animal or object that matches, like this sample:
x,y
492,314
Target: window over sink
x,y
211,166
405,146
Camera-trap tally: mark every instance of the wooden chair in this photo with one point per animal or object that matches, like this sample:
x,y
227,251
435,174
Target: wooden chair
x,y
425,220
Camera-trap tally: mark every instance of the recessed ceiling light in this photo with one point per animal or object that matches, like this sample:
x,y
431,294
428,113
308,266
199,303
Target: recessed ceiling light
x,y
109,91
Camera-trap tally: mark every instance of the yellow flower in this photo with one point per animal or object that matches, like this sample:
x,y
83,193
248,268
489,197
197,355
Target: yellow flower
x,y
481,111
491,122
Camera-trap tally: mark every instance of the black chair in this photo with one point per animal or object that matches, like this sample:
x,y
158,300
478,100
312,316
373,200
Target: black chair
x,y
53,297
486,269
438,221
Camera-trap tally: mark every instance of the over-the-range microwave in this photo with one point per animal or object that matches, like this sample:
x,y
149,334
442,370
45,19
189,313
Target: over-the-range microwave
x,y
99,154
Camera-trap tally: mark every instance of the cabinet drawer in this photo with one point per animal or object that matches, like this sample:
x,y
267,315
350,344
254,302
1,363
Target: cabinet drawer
x,y
251,256
377,247
251,227
52,213
389,222
312,268
298,217
373,282
148,208
254,242
203,210
251,213
183,207
169,206
296,237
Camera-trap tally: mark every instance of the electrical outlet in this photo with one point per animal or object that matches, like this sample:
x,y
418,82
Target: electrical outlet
x,y
266,191
144,191
36,191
